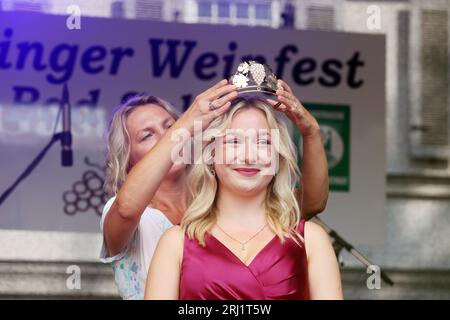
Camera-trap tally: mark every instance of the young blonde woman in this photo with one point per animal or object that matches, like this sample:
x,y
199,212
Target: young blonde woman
x,y
149,191
242,237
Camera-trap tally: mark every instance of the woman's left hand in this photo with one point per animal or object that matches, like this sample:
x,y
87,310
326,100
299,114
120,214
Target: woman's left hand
x,y
294,109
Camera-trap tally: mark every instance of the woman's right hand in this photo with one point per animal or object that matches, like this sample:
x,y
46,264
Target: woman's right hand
x,y
208,105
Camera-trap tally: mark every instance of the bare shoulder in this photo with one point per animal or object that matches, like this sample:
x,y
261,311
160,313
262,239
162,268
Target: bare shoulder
x,y
174,231
314,231
170,246
173,237
315,236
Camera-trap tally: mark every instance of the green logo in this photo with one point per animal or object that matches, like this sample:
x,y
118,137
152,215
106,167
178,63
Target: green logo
x,y
334,121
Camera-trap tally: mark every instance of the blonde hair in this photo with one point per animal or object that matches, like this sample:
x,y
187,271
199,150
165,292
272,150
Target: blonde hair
x,y
282,210
118,140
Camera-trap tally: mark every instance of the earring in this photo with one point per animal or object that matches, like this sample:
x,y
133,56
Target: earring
x,y
213,172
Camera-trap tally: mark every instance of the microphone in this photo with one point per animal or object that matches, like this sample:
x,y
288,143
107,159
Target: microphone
x,y
66,135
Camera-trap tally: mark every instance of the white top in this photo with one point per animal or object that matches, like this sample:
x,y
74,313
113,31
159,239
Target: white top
x,y
130,266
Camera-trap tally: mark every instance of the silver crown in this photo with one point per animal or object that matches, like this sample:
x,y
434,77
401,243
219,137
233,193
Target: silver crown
x,y
255,77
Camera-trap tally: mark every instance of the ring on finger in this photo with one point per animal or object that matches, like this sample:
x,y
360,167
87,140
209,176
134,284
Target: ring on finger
x,y
211,106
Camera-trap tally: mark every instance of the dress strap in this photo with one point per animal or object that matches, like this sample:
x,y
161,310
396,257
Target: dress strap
x,y
301,227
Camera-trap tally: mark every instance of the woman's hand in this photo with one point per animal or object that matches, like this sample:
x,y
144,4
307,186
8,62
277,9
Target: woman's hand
x,y
293,108
313,195
209,104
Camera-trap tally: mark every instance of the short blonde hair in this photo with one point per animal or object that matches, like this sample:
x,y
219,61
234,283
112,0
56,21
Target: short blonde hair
x,y
118,140
282,210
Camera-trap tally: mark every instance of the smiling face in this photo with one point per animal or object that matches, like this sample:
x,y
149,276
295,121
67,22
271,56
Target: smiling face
x,y
243,156
146,125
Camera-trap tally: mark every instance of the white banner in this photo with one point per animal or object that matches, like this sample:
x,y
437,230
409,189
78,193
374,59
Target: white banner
x,y
339,76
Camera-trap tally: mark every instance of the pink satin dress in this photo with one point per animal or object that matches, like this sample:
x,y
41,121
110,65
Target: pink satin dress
x,y
278,272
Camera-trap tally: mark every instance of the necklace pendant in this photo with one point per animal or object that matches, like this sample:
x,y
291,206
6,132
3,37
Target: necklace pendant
x,y
243,248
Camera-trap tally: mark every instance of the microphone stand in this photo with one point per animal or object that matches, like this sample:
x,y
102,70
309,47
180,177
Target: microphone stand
x,y
340,243
63,136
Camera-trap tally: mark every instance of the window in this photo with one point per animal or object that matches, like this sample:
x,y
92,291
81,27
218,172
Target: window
x,y
224,9
204,9
262,11
117,9
430,117
320,18
152,9
434,55
27,6
242,10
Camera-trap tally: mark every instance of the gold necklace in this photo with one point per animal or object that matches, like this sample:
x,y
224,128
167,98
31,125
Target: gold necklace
x,y
242,243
